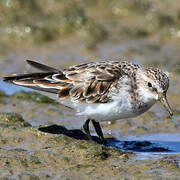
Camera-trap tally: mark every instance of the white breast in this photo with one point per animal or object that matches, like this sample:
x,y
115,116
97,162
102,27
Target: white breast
x,y
120,106
115,110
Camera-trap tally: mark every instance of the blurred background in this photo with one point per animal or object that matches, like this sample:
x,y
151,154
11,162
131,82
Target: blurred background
x,y
67,32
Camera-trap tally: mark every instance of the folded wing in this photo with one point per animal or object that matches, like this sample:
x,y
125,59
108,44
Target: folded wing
x,y
89,82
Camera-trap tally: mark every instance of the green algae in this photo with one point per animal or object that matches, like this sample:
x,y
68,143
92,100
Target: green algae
x,y
68,19
92,151
53,158
13,119
176,68
2,94
169,163
20,158
165,19
29,161
33,96
136,32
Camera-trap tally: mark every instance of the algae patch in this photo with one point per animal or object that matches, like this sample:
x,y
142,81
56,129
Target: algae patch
x,y
2,94
169,163
63,19
12,119
33,96
90,150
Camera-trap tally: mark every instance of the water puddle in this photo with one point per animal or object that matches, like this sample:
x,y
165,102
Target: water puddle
x,y
149,146
10,88
156,142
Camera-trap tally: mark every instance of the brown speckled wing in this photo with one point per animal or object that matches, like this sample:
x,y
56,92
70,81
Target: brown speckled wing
x,y
90,82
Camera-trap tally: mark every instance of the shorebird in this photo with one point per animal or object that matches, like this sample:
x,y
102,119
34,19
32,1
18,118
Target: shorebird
x,y
100,91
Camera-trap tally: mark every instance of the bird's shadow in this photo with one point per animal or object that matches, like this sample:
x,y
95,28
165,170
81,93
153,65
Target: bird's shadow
x,y
135,146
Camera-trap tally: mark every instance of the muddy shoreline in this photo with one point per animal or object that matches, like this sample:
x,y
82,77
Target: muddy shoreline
x,y
58,152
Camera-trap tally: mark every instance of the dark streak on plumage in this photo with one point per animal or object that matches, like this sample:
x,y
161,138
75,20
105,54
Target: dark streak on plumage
x,y
159,75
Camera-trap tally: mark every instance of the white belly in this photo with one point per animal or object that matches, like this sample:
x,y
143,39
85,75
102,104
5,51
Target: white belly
x,y
119,108
107,111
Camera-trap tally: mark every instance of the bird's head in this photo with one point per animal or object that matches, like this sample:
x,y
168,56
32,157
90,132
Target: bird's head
x,y
154,86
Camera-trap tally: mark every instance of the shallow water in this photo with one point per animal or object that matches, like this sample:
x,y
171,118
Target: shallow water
x,y
10,88
151,143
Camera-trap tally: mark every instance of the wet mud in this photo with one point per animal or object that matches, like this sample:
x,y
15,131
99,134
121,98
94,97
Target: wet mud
x,y
56,150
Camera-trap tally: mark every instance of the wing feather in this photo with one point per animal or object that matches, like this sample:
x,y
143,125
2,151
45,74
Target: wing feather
x,y
89,82
42,66
92,82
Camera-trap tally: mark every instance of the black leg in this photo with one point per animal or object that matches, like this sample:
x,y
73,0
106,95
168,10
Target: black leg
x,y
86,129
98,129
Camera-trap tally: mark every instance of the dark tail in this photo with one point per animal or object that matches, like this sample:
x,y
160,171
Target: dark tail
x,y
42,67
27,80
26,76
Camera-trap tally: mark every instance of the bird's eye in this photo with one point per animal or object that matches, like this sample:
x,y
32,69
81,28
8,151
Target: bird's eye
x,y
149,84
155,89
